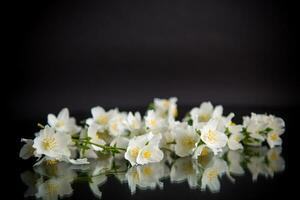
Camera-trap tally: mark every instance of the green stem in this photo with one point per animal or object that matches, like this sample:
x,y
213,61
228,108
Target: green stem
x,y
105,147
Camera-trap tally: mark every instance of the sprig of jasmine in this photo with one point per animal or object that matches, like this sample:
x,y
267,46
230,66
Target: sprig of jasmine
x,y
84,143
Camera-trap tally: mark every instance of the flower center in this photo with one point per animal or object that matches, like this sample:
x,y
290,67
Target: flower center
x,y
165,104
152,122
204,118
147,154
102,120
134,151
274,137
211,136
48,143
114,126
188,142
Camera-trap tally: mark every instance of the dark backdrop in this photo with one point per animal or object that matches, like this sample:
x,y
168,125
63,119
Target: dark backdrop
x,y
124,53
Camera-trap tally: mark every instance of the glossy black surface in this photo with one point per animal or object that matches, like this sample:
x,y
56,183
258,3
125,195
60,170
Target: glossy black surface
x,y
243,188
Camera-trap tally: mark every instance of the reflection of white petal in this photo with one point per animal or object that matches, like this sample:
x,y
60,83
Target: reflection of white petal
x,y
96,183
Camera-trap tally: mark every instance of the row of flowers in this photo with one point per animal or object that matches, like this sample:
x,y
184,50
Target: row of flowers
x,y
141,140
53,179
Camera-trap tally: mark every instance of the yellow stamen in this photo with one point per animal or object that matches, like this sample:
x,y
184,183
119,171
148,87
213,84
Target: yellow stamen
x,y
134,151
204,118
102,120
114,126
152,122
188,142
165,103
147,154
274,137
211,136
48,143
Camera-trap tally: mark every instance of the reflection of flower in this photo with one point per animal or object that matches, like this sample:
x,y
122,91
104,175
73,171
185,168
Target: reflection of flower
x,y
235,160
53,179
184,169
146,176
53,188
211,174
275,161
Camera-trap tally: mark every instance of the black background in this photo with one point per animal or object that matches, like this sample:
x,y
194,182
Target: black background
x,y
125,53
79,54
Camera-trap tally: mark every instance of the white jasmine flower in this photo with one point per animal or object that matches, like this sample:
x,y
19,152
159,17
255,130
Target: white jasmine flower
x,y
211,174
212,137
27,150
101,117
186,139
166,107
201,150
144,149
274,139
63,122
234,140
205,112
277,128
52,144
120,142
154,122
96,137
134,122
254,125
116,125
150,153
